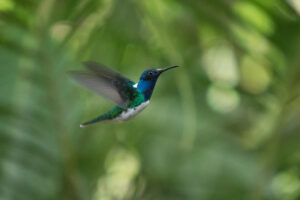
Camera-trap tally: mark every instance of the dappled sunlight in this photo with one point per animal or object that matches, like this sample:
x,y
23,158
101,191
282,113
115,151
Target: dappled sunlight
x,y
286,185
255,76
122,168
222,99
254,16
221,65
295,4
6,5
223,125
59,31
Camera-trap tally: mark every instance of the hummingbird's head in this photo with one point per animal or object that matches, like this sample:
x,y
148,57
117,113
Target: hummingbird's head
x,y
153,74
148,80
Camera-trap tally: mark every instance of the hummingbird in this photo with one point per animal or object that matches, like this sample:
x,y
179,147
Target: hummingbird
x,y
130,97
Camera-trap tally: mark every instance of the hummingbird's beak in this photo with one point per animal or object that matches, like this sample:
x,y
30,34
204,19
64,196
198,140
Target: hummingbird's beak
x,y
167,68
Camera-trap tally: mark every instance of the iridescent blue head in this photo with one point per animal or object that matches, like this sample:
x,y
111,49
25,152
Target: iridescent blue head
x,y
148,80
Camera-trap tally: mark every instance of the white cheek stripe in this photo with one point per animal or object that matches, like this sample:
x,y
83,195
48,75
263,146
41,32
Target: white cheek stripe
x,y
135,85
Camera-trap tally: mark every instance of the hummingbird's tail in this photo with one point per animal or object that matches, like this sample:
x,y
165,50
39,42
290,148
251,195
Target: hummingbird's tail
x,y
98,119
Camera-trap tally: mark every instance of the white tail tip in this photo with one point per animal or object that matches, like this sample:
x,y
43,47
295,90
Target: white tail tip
x,y
81,125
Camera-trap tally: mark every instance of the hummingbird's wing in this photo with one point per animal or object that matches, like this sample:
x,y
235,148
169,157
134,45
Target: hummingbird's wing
x,y
106,82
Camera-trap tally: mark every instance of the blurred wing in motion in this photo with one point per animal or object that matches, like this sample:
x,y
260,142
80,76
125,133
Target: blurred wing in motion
x,y
107,83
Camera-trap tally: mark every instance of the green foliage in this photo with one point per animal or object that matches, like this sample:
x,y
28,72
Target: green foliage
x,y
223,126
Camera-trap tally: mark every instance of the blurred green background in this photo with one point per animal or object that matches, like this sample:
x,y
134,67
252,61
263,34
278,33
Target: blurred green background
x,y
226,125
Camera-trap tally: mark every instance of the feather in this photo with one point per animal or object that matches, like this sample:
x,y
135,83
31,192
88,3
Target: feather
x,y
107,83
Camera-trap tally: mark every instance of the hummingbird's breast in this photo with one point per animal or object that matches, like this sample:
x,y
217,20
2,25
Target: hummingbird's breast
x,y
131,112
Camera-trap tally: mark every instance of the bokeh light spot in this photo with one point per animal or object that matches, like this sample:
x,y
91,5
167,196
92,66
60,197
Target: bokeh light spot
x,y
254,16
221,99
295,4
6,5
254,76
286,185
121,168
220,65
252,41
60,30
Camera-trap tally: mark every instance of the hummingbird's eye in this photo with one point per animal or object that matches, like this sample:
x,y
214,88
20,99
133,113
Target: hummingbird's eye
x,y
150,73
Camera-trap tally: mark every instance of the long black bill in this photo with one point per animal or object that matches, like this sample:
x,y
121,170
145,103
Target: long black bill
x,y
167,68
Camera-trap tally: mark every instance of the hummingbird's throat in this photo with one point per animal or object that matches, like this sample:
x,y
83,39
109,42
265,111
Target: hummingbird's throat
x,y
146,87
